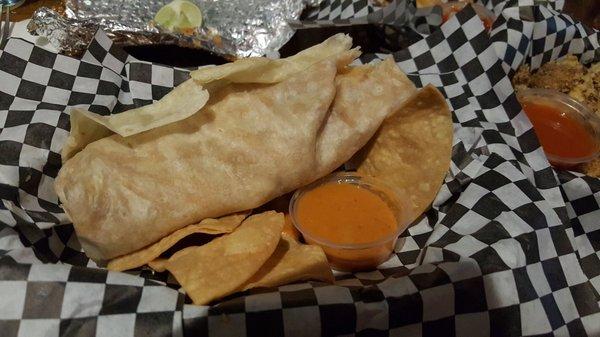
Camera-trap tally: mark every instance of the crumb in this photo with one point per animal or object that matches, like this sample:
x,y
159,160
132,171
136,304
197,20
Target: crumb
x,y
592,168
519,87
561,75
588,91
522,76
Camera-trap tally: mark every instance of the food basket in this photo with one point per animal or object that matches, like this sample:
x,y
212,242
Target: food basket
x,y
510,246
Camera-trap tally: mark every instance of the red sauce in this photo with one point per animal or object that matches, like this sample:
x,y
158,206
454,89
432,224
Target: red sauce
x,y
560,134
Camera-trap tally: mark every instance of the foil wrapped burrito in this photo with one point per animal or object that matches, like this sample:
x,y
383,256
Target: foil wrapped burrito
x,y
267,128
230,28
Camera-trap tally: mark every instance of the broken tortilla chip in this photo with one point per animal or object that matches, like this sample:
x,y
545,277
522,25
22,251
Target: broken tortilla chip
x,y
145,255
223,265
291,262
412,149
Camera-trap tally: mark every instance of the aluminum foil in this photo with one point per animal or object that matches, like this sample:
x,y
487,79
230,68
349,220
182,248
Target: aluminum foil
x,y
231,28
68,36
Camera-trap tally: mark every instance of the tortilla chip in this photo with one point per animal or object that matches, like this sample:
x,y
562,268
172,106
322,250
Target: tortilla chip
x,y
159,264
365,96
222,266
289,228
143,256
292,262
263,70
412,149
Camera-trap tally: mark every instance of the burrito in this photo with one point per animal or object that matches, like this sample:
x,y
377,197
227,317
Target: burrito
x,y
250,143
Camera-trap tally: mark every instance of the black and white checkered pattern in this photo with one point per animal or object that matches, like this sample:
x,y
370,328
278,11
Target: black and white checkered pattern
x,y
536,35
498,6
509,248
339,9
397,19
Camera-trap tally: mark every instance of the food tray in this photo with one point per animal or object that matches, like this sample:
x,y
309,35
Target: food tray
x,y
510,246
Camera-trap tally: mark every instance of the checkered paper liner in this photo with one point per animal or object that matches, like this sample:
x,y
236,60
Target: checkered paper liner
x,y
401,20
397,14
331,10
399,23
509,248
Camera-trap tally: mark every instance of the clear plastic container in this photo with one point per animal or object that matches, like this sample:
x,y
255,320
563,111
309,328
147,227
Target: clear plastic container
x,y
363,256
573,109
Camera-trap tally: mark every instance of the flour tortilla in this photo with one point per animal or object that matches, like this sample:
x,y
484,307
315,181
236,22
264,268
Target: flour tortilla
x,y
189,97
264,70
249,144
83,132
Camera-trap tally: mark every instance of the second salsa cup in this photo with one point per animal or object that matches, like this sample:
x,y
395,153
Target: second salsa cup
x,y
567,130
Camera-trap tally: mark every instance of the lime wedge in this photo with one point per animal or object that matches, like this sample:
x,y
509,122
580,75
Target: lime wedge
x,y
179,15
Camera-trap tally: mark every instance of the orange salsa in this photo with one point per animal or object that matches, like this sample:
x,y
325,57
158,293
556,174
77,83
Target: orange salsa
x,y
560,134
348,216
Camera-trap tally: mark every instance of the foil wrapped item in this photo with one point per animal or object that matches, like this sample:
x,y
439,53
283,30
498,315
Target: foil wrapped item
x,y
231,28
68,36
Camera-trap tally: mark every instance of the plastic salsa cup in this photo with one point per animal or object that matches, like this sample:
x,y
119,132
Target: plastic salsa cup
x,y
365,255
568,131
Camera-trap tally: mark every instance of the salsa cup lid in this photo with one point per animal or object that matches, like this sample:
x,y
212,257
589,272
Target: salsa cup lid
x,y
574,109
398,204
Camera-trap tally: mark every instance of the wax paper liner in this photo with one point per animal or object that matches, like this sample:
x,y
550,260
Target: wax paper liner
x,y
509,248
397,14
